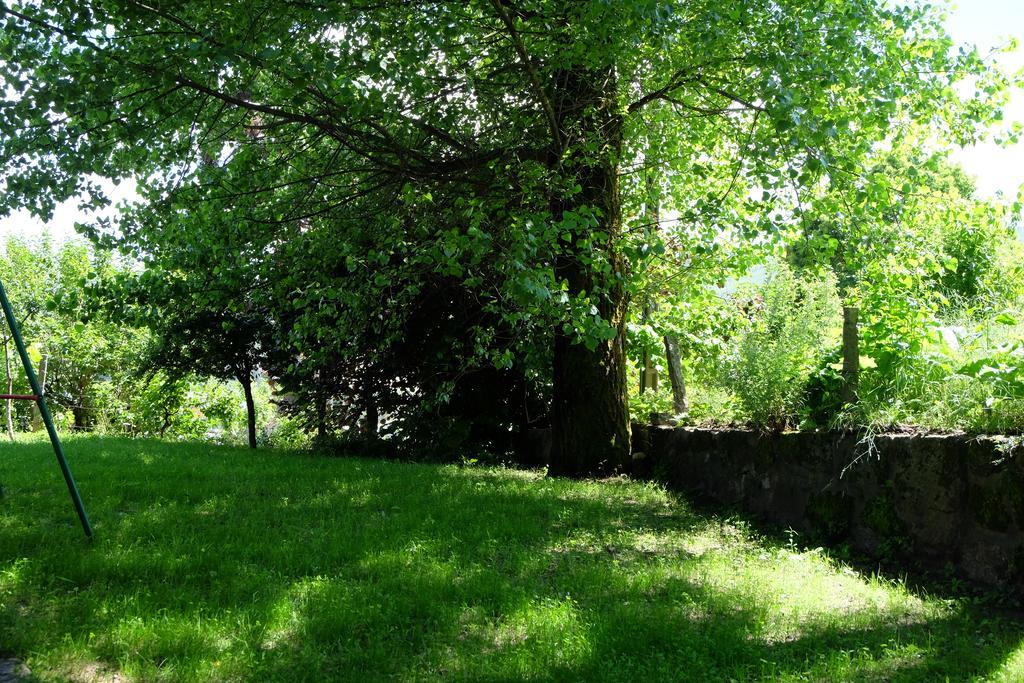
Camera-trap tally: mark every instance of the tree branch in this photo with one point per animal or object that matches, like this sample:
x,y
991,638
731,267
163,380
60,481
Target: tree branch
x,y
531,70
731,96
674,83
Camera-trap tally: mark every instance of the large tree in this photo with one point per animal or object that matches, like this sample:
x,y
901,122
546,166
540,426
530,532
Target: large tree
x,y
489,141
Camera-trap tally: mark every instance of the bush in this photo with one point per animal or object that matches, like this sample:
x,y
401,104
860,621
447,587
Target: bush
x,y
823,400
712,405
792,323
970,377
651,401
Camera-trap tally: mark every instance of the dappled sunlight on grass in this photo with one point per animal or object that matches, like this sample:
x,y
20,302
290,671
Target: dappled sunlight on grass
x,y
221,564
1012,669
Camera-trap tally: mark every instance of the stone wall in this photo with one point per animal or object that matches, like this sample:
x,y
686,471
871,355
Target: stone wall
x,y
937,501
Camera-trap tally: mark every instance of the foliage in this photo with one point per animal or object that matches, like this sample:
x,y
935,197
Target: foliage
x,y
791,325
99,376
643,406
195,326
46,287
900,310
482,161
929,251
1005,279
1003,370
711,405
824,403
968,379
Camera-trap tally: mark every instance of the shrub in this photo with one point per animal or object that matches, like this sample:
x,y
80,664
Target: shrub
x,y
793,322
651,401
970,377
713,405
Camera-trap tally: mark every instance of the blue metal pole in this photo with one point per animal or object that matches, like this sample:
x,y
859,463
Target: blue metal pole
x,y
44,411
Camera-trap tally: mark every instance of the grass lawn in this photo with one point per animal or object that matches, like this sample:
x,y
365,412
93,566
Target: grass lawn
x,y
220,564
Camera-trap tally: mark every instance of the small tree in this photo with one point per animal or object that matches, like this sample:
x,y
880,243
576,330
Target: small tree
x,y
214,332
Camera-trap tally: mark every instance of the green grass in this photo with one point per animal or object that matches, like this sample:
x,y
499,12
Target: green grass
x,y
219,564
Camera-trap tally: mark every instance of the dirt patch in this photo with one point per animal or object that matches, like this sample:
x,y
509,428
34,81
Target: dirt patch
x,y
93,672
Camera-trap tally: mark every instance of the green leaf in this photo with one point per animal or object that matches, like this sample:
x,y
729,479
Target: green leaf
x,y
1005,319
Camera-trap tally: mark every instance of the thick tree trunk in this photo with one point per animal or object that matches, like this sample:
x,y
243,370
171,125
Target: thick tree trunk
x,y
590,417
250,407
680,404
10,389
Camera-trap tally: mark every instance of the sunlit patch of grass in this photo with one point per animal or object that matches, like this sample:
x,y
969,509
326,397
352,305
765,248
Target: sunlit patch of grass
x,y
221,564
1012,668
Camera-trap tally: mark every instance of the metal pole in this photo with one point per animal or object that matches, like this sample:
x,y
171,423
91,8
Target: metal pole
x,y
44,411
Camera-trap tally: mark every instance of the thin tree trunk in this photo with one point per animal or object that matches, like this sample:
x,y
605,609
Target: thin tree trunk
x,y
245,379
648,373
10,388
321,414
37,417
680,403
652,214
81,418
166,423
590,416
372,424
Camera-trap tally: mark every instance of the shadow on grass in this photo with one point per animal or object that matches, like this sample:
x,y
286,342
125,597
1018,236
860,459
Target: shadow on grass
x,y
923,578
220,564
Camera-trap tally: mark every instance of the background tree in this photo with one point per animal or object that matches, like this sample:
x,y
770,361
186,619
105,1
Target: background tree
x,y
202,310
25,273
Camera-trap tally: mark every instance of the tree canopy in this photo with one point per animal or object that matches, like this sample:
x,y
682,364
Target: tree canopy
x,y
492,163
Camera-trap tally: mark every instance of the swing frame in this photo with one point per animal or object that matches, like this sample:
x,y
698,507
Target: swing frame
x,y
44,411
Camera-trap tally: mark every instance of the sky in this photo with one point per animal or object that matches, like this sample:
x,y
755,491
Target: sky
x,y
985,23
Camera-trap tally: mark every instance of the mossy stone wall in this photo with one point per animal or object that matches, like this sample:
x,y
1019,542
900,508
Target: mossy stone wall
x,y
935,500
